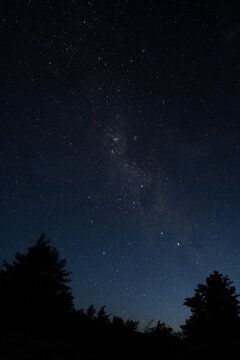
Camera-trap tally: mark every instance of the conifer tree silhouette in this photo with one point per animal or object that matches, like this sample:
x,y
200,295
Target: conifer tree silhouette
x,y
215,310
34,289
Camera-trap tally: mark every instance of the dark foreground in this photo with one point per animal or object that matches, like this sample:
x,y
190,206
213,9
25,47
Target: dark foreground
x,y
133,346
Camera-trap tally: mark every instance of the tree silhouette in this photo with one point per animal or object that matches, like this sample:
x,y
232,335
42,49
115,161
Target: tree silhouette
x,y
91,311
34,288
103,318
215,310
118,324
161,329
131,325
38,319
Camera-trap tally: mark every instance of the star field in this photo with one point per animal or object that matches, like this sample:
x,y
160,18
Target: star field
x,y
120,140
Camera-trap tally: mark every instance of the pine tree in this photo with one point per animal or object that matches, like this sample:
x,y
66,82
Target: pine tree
x,y
34,288
215,310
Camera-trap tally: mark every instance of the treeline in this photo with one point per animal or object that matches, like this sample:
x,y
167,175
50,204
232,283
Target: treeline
x,y
38,319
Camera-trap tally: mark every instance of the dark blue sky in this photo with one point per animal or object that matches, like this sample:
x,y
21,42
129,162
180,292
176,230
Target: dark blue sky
x,y
120,140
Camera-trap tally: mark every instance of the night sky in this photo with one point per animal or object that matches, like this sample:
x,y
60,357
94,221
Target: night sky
x,y
120,139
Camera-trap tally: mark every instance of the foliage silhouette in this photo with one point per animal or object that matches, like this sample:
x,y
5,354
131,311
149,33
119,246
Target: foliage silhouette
x,y
118,324
215,310
39,320
161,329
91,311
103,318
34,289
131,326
